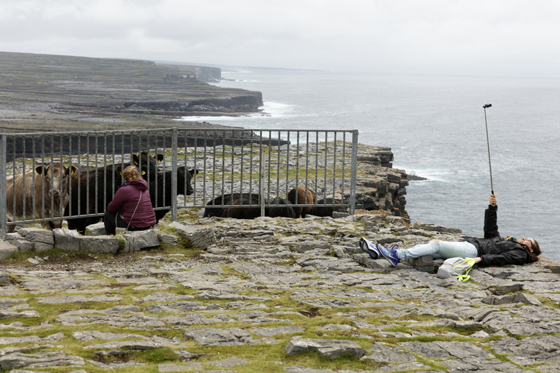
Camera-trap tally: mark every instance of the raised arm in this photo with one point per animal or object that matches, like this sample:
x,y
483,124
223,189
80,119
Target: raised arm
x,y
491,219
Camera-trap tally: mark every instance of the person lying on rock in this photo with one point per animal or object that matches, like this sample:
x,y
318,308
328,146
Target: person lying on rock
x,y
490,250
133,200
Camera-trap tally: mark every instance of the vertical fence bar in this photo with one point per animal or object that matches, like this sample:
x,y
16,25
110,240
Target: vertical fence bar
x,y
61,200
343,163
354,169
3,196
156,185
317,163
251,163
204,198
335,147
326,162
79,191
297,165
269,163
288,165
278,151
195,147
306,166
261,174
174,174
14,144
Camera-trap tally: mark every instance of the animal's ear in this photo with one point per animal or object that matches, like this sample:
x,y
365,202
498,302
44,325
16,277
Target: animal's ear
x,y
70,170
135,159
193,172
160,157
41,170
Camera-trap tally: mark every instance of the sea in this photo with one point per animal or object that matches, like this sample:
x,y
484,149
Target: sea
x,y
436,128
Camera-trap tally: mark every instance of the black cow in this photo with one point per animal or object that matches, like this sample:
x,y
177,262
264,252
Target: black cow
x,y
280,207
160,189
277,207
319,209
102,183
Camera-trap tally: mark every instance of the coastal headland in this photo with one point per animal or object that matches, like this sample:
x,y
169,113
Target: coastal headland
x,y
58,93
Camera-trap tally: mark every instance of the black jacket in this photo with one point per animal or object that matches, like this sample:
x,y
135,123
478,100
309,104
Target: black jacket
x,y
495,250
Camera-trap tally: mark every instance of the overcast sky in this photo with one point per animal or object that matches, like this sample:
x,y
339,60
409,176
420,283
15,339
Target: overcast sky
x,y
472,37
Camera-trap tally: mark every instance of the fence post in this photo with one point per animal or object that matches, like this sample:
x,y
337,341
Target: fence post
x,y
262,180
354,167
174,145
3,203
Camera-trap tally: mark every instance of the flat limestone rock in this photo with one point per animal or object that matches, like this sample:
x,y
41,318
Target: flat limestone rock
x,y
220,337
140,240
7,249
88,335
272,331
100,244
11,315
164,368
132,345
78,299
39,360
198,236
66,239
328,348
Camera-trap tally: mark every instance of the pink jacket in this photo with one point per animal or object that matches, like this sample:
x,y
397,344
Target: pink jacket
x,y
126,199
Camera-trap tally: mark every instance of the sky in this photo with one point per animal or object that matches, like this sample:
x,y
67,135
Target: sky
x,y
466,37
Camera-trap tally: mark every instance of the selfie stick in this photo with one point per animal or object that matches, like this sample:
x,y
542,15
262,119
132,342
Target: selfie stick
x,y
488,142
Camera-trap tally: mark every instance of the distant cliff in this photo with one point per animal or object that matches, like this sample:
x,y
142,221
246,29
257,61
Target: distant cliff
x,y
51,92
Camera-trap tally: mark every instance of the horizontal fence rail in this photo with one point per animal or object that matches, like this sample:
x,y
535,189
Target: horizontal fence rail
x,y
71,177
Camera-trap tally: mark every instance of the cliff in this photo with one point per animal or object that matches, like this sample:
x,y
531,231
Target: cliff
x,y
50,92
379,185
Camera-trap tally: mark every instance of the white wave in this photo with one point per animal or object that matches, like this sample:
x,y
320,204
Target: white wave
x,y
270,109
432,174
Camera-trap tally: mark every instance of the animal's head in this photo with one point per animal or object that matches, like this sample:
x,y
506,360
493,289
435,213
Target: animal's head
x,y
147,165
184,180
56,178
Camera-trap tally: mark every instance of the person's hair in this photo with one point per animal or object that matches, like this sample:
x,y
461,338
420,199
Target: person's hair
x,y
130,173
536,250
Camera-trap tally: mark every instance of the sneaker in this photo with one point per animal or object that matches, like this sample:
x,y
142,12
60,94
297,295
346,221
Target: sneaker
x,y
369,248
389,254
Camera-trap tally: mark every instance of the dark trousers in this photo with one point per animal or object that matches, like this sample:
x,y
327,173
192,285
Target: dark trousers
x,y
113,220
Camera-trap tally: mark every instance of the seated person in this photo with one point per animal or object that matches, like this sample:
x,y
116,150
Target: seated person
x,y
133,200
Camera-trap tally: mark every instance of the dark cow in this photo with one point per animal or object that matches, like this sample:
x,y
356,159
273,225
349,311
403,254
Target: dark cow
x,y
102,183
50,193
277,207
280,207
234,199
319,209
299,197
160,189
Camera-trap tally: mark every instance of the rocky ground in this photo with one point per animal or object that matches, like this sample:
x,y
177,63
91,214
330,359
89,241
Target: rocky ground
x,y
276,295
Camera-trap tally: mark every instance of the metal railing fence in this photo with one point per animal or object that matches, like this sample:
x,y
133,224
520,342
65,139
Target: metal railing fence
x,y
268,163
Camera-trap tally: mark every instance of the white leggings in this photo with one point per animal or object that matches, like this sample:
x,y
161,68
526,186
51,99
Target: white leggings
x,y
439,249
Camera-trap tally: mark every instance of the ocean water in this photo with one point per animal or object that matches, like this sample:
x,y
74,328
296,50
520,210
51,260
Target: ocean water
x,y
436,129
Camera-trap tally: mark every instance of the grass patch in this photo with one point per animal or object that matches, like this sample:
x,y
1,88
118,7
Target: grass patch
x,y
53,256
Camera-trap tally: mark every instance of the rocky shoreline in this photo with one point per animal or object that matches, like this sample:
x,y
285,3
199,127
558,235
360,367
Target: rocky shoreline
x,y
277,295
